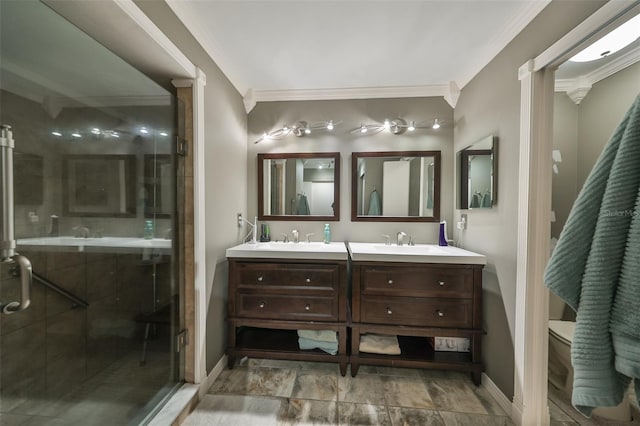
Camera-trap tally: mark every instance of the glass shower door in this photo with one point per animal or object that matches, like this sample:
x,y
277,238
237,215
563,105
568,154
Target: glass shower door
x,y
94,211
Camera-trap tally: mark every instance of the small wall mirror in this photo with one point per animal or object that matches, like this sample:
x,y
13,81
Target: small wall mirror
x,y
299,186
478,166
99,185
395,186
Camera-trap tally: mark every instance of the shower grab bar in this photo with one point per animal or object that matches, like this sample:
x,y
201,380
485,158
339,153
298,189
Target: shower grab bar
x,y
61,291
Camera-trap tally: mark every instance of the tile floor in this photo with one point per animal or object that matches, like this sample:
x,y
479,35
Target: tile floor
x,y
285,393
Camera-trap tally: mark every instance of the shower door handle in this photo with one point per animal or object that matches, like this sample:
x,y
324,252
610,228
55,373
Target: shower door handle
x,y
22,269
21,266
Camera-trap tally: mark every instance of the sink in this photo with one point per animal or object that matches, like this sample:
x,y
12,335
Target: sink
x,y
420,253
95,243
314,250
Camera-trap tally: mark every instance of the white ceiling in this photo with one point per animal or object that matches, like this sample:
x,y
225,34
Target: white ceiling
x,y
309,49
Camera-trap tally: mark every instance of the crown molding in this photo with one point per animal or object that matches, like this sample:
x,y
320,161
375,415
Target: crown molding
x,y
254,96
502,38
577,88
208,43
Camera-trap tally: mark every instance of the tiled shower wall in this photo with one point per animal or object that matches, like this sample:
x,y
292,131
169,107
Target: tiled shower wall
x,y
53,346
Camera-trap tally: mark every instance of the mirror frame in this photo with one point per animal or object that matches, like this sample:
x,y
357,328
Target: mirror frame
x,y
69,178
355,156
462,201
335,156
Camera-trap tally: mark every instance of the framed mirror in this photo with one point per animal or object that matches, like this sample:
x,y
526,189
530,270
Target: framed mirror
x,y
299,186
478,166
395,186
99,185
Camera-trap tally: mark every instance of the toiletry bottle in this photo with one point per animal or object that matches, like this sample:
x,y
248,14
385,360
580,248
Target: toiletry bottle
x,y
443,234
327,233
148,229
53,226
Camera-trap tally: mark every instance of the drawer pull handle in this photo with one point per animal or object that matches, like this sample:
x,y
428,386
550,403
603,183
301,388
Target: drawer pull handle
x,y
262,304
308,280
390,281
307,307
440,313
260,278
389,311
441,283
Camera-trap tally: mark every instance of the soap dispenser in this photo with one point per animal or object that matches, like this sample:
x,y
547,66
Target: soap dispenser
x,y
443,234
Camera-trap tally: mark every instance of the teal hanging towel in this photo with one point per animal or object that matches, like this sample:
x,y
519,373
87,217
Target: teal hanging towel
x,y
374,204
595,268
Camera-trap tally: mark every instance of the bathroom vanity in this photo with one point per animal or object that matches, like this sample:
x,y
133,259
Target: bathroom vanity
x,y
417,293
276,289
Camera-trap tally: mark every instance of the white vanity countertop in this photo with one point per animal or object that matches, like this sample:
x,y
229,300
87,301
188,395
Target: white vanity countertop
x,y
279,250
420,253
96,244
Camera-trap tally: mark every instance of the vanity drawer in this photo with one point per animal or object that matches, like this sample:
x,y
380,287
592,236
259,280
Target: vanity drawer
x,y
418,312
308,276
417,281
310,308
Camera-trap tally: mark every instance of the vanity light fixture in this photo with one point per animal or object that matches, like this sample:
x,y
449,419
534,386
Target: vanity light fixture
x,y
299,129
397,126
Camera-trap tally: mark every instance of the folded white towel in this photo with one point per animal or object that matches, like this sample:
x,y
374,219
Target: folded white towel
x,y
319,335
379,344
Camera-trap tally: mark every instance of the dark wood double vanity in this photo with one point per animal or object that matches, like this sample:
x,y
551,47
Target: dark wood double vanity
x,y
275,291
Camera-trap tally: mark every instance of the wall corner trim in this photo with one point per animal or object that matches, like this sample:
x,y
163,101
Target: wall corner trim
x,y
496,393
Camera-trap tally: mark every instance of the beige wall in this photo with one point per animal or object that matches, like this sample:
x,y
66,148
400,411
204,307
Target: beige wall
x,y
600,112
581,132
490,104
268,116
225,169
565,139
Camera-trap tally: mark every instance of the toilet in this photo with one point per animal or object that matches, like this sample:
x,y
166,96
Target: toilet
x,y
560,369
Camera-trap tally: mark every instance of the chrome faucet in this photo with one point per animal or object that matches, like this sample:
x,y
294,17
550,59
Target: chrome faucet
x,y
387,239
81,232
308,240
401,236
285,238
296,236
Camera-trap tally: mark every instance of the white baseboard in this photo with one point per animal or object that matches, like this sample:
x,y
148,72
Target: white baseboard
x,y
497,394
211,377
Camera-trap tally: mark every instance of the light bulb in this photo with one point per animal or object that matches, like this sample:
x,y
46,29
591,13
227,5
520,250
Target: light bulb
x,y
76,134
95,131
56,133
330,125
411,127
144,130
164,134
115,134
436,124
